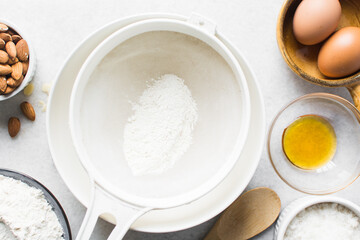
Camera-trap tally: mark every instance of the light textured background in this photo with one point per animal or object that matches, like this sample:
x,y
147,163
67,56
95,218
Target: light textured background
x,y
57,27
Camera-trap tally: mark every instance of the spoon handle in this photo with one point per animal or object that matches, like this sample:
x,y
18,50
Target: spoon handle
x,y
213,235
355,94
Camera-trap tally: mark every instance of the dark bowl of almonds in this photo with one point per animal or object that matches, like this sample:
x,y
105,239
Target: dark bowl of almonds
x,y
17,60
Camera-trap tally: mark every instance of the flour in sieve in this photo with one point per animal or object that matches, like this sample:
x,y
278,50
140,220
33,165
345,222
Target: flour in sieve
x,y
160,130
26,212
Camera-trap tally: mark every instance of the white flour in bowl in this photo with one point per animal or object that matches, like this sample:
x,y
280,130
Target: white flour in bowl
x,y
26,212
160,130
324,221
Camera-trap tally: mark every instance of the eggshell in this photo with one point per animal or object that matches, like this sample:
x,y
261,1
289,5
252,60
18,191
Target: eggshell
x,y
340,55
315,20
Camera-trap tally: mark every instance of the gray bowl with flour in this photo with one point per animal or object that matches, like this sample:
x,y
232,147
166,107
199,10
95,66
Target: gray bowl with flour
x,y
50,198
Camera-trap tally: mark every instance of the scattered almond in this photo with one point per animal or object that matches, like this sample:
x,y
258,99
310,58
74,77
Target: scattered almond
x,y
4,57
11,49
5,69
2,44
25,67
28,110
22,50
6,37
12,61
14,126
3,27
17,70
3,84
16,38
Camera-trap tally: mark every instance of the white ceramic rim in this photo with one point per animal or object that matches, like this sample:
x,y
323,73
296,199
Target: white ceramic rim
x,y
295,207
229,187
97,55
32,62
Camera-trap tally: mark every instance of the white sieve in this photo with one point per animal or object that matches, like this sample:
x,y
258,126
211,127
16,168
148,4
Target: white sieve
x,y
116,73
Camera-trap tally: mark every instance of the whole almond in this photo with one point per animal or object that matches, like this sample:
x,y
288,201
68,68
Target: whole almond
x,y
14,83
2,43
28,110
11,50
5,69
14,126
25,67
9,90
3,84
12,61
17,70
6,37
22,50
4,57
3,27
19,82
11,82
16,38
12,32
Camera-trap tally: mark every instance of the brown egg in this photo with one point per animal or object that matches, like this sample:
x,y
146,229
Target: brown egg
x,y
315,20
340,55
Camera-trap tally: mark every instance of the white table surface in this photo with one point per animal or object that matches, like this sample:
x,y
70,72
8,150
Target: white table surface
x,y
57,27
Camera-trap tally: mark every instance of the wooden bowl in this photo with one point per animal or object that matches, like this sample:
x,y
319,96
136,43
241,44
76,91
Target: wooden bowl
x,y
303,59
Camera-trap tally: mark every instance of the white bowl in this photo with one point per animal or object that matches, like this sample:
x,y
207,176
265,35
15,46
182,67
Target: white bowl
x,y
115,74
169,220
290,212
221,95
32,62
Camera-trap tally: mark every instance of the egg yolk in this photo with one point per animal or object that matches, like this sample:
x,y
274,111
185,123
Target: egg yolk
x,y
309,142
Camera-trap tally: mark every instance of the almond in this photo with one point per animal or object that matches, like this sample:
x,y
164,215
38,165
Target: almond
x,y
3,27
14,126
16,38
19,82
4,57
17,70
12,61
28,110
12,32
2,44
25,67
5,69
3,84
14,83
11,82
22,50
9,90
6,37
11,49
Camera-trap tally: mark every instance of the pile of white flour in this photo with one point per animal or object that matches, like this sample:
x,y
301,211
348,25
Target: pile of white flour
x,y
160,130
26,212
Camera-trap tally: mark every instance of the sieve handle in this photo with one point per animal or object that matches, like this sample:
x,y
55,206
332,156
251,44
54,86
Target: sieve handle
x,y
103,202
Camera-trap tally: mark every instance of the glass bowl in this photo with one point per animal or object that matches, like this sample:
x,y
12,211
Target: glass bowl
x,y
343,168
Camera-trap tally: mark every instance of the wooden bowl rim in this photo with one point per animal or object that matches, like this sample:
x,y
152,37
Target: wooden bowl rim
x,y
336,82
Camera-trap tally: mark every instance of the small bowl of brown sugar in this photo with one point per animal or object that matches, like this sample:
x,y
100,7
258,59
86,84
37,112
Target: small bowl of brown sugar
x,y
17,60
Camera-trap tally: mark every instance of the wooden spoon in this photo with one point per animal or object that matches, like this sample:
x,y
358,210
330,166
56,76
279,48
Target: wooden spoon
x,y
249,215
